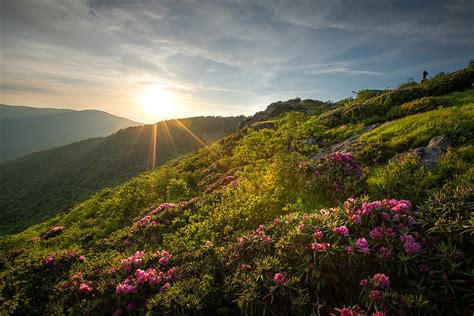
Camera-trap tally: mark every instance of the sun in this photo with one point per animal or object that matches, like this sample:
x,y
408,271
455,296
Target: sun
x,y
158,103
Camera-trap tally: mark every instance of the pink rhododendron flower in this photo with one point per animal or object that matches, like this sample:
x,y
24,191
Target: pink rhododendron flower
x,y
49,260
389,232
349,249
378,313
318,234
82,259
356,218
410,245
165,287
301,227
341,230
346,312
320,246
364,283
84,288
362,245
279,278
163,261
376,233
375,294
141,276
125,288
381,280
385,252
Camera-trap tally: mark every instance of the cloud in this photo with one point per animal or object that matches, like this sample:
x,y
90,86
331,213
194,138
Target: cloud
x,y
222,55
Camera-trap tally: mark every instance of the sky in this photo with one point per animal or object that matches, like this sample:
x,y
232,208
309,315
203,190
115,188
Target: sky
x,y
151,60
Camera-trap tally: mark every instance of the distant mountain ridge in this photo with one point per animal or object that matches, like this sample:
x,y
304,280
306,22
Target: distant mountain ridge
x,y
41,184
26,129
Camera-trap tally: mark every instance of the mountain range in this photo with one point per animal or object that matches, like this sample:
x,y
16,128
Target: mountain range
x,y
27,129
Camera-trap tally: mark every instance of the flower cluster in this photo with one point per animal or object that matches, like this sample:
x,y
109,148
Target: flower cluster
x,y
341,230
66,256
152,276
84,288
260,231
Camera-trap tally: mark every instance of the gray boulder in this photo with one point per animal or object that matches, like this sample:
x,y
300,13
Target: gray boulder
x,y
430,154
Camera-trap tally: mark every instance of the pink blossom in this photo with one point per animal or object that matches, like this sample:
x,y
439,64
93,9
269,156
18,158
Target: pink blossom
x,y
375,294
385,252
376,233
165,287
410,245
362,245
381,280
82,259
49,260
279,278
378,313
320,246
125,288
401,206
356,218
163,261
346,312
341,230
84,288
389,232
301,227
364,283
141,276
318,234
349,250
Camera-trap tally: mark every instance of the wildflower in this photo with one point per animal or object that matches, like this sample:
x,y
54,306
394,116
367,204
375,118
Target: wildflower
x,y
341,230
410,245
389,232
385,252
364,283
318,234
320,246
165,287
376,233
84,288
163,261
375,294
381,280
279,278
49,260
349,250
355,218
363,246
141,276
346,312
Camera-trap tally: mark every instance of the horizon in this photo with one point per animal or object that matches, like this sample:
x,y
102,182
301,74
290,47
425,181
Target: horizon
x,y
149,62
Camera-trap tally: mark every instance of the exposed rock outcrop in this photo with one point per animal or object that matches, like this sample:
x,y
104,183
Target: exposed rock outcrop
x,y
344,146
430,154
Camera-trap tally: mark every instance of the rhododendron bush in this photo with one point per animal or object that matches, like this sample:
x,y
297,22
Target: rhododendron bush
x,y
373,255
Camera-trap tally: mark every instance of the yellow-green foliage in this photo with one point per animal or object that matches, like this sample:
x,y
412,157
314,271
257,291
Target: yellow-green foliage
x,y
417,130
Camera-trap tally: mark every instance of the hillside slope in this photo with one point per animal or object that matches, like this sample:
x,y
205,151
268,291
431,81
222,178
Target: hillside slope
x,y
254,225
24,129
39,185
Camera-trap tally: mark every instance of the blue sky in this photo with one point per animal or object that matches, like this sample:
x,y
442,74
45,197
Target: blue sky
x,y
221,57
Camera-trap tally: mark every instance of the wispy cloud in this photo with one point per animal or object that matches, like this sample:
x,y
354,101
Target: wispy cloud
x,y
224,56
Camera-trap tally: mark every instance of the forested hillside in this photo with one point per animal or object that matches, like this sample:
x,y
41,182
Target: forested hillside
x,y
362,207
37,186
25,129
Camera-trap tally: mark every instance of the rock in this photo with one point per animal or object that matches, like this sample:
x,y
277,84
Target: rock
x,y
430,154
53,232
344,146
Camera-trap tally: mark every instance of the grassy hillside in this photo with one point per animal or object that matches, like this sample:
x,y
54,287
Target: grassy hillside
x,y
24,129
254,225
37,186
